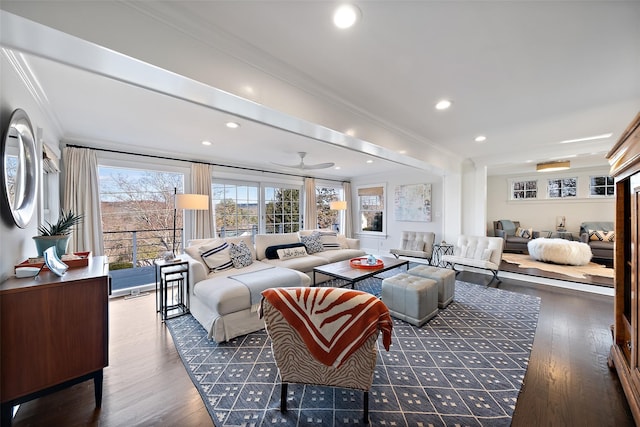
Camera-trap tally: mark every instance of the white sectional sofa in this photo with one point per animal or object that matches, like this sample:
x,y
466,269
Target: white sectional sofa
x,y
223,304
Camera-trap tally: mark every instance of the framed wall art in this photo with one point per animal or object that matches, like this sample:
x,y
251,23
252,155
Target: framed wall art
x,y
412,202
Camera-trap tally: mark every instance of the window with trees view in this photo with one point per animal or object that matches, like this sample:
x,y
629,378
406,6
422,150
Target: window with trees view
x,y
524,189
562,188
137,215
236,208
328,218
601,186
282,209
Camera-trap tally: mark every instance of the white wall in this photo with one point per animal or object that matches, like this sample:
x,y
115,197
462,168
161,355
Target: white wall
x,y
541,214
16,244
380,245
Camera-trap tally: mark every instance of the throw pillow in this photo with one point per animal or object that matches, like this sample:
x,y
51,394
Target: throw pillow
x,y
295,252
603,236
312,242
216,255
329,240
240,255
342,239
527,233
272,251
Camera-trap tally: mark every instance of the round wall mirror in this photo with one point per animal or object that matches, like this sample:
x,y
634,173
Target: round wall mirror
x,y
20,168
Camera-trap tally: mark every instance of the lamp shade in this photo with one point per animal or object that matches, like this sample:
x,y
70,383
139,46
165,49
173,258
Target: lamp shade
x,y
192,201
338,205
553,166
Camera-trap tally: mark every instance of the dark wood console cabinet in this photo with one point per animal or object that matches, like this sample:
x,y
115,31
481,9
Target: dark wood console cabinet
x,y
625,351
53,333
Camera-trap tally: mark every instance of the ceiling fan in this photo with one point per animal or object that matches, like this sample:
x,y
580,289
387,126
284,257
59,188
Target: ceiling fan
x,y
303,166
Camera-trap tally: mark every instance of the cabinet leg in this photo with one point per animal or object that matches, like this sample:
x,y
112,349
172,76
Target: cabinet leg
x,y
97,386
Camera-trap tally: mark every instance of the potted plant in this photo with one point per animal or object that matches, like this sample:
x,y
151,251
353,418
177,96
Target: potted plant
x,y
58,233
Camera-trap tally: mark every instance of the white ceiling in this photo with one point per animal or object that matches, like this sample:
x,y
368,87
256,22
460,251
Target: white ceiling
x,y
527,74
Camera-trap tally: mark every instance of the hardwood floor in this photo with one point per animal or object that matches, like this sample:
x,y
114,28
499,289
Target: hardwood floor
x,y
567,383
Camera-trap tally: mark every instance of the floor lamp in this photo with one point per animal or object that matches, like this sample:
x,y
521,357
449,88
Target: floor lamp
x,y
338,205
187,202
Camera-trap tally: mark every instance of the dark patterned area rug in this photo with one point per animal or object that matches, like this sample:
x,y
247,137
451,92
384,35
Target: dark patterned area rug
x,y
464,367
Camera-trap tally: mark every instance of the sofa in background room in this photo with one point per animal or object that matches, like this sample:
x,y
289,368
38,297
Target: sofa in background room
x,y
600,236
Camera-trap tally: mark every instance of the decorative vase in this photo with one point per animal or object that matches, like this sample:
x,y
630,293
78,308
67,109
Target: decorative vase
x,y
44,242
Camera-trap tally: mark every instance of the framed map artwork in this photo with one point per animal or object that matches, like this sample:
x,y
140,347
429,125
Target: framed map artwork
x,y
412,202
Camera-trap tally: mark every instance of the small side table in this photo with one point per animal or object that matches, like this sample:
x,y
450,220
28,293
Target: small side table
x,y
567,235
172,282
440,249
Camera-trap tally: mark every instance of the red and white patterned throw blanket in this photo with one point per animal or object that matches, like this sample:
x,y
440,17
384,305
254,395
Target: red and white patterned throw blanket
x,y
333,322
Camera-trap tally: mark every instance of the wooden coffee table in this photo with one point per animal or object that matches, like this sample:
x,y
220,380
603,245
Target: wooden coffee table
x,y
343,270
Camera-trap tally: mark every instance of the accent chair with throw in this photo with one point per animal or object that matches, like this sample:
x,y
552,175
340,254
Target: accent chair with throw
x,y
515,237
325,336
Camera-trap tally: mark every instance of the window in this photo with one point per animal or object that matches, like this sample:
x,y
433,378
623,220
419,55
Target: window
x,y
601,186
562,187
524,190
137,221
328,218
282,210
236,207
371,208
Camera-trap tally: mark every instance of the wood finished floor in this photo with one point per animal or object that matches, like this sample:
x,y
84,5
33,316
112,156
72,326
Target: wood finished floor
x,y
567,383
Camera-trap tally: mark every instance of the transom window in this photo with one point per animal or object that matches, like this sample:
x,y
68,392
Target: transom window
x,y
601,186
524,189
562,188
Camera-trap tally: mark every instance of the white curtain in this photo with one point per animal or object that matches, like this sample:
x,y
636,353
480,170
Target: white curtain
x,y
202,221
310,208
82,196
348,217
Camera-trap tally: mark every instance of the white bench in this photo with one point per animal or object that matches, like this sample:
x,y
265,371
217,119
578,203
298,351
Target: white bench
x,y
478,252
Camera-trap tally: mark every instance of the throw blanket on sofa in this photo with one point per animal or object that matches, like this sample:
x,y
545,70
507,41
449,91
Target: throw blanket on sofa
x,y
332,322
258,281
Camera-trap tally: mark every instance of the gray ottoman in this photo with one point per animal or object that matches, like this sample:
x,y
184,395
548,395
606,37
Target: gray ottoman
x,y
410,298
445,277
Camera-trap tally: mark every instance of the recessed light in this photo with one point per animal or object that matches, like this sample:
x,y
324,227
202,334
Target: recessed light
x,y
233,125
480,138
443,104
337,168
206,142
588,138
402,151
369,161
346,16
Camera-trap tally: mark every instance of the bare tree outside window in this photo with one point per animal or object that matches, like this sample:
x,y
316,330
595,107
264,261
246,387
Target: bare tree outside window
x,y
137,215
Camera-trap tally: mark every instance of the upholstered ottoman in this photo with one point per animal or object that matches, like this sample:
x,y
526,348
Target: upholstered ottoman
x,y
444,277
559,251
410,298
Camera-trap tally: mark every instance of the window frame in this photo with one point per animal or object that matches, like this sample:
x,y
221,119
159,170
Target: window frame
x,y
384,209
609,184
524,190
236,183
562,188
264,204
